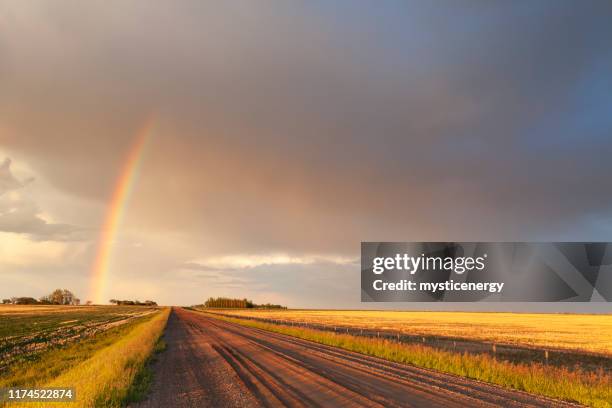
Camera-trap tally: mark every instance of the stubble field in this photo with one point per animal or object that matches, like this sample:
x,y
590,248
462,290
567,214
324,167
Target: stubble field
x,y
571,332
101,351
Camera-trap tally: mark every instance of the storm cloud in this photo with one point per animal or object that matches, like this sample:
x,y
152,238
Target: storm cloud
x,y
306,128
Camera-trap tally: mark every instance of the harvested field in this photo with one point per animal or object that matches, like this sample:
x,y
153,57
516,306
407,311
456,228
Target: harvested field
x,y
106,370
571,332
28,330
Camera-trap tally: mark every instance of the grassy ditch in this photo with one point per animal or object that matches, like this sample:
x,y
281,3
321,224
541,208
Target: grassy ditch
x,y
144,377
103,371
589,388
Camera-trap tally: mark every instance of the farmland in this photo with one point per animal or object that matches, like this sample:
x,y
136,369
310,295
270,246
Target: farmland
x,y
29,330
108,353
99,350
569,332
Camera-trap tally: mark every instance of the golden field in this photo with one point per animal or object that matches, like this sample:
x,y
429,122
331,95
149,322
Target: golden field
x,y
585,333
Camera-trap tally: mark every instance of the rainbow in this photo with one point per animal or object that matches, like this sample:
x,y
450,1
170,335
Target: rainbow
x,y
114,215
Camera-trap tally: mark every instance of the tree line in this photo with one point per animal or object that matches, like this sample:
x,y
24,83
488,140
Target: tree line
x,y
57,297
66,297
231,303
133,302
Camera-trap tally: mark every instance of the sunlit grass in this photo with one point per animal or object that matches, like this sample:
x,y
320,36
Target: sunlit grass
x,y
144,377
590,333
103,378
589,388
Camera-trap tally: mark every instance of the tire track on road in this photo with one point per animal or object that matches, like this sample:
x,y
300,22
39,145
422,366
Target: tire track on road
x,y
413,376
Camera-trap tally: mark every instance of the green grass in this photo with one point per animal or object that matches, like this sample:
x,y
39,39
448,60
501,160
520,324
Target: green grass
x,y
144,377
589,388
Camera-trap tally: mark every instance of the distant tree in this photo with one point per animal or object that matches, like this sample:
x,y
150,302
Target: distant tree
x,y
61,297
25,301
89,303
229,303
6,301
68,297
77,301
133,302
270,306
44,300
56,297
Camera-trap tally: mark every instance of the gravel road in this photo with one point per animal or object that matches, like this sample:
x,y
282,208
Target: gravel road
x,y
212,363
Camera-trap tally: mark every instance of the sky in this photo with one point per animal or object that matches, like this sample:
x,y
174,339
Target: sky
x,y
285,133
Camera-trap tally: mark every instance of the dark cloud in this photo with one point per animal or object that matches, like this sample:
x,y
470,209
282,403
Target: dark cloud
x,y
388,125
307,128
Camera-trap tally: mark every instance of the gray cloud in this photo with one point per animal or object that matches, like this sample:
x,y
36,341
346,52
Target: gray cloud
x,y
193,266
20,215
307,128
299,285
379,125
8,182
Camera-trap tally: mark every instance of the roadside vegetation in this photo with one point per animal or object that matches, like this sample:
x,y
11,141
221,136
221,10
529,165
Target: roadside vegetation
x,y
144,377
589,388
107,370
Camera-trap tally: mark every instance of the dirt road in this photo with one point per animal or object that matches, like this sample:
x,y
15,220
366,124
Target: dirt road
x,y
211,363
